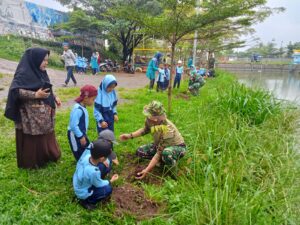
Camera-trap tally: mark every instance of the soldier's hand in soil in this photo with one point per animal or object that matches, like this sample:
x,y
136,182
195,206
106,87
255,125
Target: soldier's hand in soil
x,y
124,137
141,175
42,93
115,161
114,178
83,141
116,118
103,124
58,101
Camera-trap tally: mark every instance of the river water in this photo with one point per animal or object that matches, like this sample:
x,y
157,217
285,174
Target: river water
x,y
284,86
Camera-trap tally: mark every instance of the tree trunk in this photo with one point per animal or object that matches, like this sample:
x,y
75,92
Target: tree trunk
x,y
171,79
124,57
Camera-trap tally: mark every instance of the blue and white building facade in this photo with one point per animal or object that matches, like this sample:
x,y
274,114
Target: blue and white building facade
x,y
24,18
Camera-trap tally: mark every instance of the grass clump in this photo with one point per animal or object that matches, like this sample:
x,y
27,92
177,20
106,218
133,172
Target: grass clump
x,y
13,47
252,106
241,166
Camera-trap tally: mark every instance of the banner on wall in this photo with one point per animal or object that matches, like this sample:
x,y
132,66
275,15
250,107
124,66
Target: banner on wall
x,y
28,19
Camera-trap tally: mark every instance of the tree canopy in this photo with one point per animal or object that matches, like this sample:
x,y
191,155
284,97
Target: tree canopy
x,y
179,18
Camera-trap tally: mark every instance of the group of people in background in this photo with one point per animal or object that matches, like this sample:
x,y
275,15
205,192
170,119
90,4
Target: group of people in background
x,y
80,64
196,77
156,66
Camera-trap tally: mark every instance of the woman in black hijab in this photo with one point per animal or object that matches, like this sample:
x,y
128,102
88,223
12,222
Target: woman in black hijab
x,y
31,105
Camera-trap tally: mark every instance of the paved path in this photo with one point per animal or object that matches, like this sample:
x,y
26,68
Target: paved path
x,y
58,77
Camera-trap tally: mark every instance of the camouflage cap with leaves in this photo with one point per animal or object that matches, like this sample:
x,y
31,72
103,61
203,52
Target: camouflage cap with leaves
x,y
155,108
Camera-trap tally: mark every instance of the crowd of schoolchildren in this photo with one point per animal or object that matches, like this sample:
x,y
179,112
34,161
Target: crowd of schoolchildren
x,y
95,159
82,63
34,119
160,72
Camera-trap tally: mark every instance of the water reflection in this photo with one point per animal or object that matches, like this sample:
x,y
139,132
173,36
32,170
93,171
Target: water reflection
x,y
284,86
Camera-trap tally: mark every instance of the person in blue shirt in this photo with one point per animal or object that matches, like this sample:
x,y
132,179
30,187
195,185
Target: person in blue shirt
x,y
105,107
190,62
88,185
201,71
79,121
112,158
152,68
80,65
94,64
167,78
84,64
76,62
179,72
160,78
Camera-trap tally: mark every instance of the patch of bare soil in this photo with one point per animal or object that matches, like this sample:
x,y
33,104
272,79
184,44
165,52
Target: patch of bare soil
x,y
184,96
132,200
129,197
133,165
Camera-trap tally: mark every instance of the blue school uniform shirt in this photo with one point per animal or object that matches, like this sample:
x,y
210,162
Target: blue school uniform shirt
x,y
161,75
84,62
201,71
179,70
86,176
105,106
94,62
78,126
80,62
167,73
77,61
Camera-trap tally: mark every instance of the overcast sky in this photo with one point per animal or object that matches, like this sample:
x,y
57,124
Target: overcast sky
x,y
283,27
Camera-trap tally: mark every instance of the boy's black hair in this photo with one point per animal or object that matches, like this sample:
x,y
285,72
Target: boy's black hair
x,y
101,148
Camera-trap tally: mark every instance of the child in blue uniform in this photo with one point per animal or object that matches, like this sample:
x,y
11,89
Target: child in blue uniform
x,y
94,64
160,78
106,167
179,72
105,107
79,120
167,79
88,185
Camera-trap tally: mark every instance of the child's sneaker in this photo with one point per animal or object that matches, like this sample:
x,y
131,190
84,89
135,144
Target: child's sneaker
x,y
87,205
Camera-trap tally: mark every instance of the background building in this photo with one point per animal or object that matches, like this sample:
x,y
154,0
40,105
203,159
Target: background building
x,y
23,18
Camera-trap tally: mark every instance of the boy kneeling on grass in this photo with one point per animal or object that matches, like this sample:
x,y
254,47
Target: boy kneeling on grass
x,y
168,146
88,185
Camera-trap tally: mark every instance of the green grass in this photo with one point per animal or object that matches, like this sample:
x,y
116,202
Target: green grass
x,y
241,166
13,47
66,94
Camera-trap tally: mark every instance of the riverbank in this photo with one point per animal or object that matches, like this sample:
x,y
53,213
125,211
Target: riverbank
x,y
274,68
241,166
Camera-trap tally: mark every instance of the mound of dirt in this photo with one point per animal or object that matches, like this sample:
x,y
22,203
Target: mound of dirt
x,y
154,177
133,165
132,200
183,96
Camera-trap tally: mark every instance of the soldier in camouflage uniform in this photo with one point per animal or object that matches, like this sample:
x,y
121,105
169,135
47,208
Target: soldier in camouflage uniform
x,y
196,81
168,145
